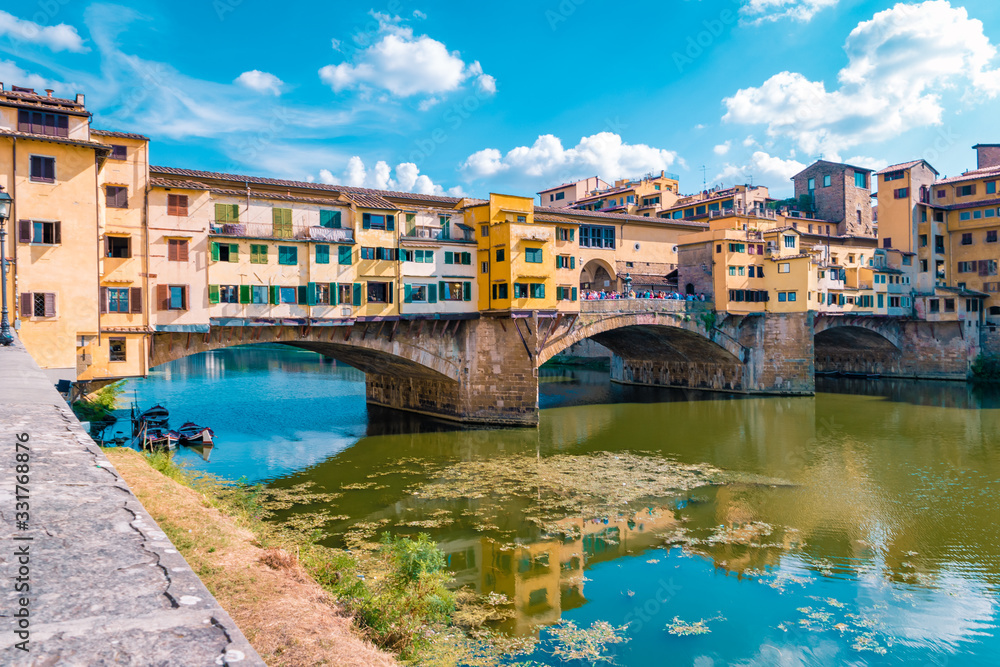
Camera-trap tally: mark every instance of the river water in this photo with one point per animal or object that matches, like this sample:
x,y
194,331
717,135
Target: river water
x,y
860,526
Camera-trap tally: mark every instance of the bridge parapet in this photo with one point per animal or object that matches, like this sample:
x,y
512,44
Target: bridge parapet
x,y
611,306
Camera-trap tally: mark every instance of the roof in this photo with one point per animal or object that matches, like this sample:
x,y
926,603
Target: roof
x,y
119,135
971,175
273,195
566,185
905,165
34,100
961,291
970,204
177,183
835,164
329,187
612,217
366,200
17,134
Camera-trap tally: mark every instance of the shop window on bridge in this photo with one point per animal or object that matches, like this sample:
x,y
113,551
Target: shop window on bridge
x,y
330,219
37,231
345,293
533,255
415,293
321,294
737,247
454,291
379,292
500,291
520,290
258,294
597,236
784,297
116,349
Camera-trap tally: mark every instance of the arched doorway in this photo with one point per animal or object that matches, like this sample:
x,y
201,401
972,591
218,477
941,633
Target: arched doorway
x,y
598,275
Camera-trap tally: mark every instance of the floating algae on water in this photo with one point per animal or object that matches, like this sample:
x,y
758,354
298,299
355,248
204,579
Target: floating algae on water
x,y
586,644
684,629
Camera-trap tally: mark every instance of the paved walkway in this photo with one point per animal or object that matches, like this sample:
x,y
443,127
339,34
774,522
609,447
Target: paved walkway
x,y
106,585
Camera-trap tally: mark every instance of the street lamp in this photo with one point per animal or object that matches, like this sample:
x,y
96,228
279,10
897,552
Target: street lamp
x,y
5,202
628,285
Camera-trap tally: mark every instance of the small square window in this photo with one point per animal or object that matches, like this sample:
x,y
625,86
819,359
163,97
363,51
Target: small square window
x,y
116,349
118,152
42,169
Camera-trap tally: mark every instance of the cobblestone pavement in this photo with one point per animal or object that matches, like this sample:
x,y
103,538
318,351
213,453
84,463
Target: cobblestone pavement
x,y
106,585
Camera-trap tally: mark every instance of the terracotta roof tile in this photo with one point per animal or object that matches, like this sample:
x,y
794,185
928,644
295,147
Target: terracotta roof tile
x,y
971,175
898,167
176,183
56,140
120,135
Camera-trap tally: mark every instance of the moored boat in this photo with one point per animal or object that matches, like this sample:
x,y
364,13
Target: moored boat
x,y
193,434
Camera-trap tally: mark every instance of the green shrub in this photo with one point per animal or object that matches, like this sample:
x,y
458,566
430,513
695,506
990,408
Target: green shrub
x,y
986,367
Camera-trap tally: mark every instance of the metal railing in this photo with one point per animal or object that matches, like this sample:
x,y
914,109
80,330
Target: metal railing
x,y
296,232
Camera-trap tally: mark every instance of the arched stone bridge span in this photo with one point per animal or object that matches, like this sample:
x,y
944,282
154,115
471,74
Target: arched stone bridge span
x,y
484,369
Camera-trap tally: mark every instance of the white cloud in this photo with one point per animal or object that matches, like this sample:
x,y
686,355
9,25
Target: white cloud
x,y
405,65
901,63
873,163
765,169
335,43
12,74
60,37
407,178
262,82
722,149
417,14
604,154
759,11
749,141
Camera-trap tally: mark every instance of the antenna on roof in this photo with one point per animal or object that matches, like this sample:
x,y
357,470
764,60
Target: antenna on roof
x,y
819,158
704,177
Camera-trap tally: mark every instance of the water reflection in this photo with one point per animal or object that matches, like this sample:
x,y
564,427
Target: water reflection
x,y
872,505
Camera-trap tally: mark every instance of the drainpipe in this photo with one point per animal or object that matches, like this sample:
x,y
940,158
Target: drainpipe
x,y
14,241
145,262
97,220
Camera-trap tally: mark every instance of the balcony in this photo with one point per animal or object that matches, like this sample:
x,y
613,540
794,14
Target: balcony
x,y
263,230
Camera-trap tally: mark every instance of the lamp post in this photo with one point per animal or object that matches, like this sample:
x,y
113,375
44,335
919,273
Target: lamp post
x,y
5,201
628,285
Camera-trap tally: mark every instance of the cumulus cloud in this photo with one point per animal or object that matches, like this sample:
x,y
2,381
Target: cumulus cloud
x,y
60,37
262,82
765,169
407,178
11,73
604,153
901,63
722,149
405,64
761,11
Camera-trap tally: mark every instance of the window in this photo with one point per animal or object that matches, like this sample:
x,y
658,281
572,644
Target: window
x,y
934,305
923,240
484,267
118,300
938,216
965,215
533,255
379,292
965,190
967,239
415,293
500,291
385,254
484,231
742,270
522,218
258,253
367,253
177,205
227,213
258,294
941,194
37,231
500,254
37,122
784,267
949,305
923,266
520,290
968,267
987,267
116,196
377,221
42,169
287,295
116,349
288,255
827,181
563,234
321,293
991,236
281,223
901,193
811,183
594,236
225,252
894,301
977,215
345,255
939,245
329,219
784,297
118,152
424,257
117,246
907,261
861,179
344,293
406,255
991,187
223,294
891,176
537,290
789,241
737,247
177,250
564,262
172,297
322,254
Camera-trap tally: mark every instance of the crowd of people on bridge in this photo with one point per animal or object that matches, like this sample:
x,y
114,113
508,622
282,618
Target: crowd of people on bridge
x,y
609,295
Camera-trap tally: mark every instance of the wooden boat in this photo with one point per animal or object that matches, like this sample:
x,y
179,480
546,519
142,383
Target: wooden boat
x,y
192,434
155,416
160,438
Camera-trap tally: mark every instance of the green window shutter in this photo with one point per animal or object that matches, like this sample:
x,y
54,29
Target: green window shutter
x,y
572,232
572,262
356,293
345,253
329,219
322,254
574,291
213,294
467,291
215,251
275,295
311,294
234,253
390,225
559,261
442,292
303,295
334,294
366,220
390,290
234,212
467,258
245,294
335,219
221,211
432,295
407,296
449,257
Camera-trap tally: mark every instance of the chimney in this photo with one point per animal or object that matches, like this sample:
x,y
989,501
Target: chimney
x,y
988,154
49,91
79,99
1,86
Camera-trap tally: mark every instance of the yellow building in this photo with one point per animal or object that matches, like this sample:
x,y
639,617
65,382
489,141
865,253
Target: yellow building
x,y
645,196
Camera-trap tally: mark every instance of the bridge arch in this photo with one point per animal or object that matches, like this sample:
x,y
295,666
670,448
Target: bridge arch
x,y
595,273
405,349
857,346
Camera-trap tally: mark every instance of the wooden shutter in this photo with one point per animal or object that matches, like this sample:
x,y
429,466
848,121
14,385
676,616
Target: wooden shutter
x,y
390,289
442,291
336,219
356,294
215,251
185,297
135,300
311,294
234,253
24,231
366,220
57,234
407,294
245,296
27,304
302,295
163,297
334,294
574,294
275,295
177,205
449,257
345,255
50,304
432,294
213,294
104,300
221,212
172,247
182,251
467,291
390,224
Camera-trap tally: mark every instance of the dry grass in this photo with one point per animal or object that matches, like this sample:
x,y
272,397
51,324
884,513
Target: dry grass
x,y
283,612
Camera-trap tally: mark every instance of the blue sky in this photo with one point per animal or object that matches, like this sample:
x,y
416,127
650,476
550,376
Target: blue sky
x,y
518,96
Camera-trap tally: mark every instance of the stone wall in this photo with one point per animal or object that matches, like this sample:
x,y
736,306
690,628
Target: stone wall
x,y
841,201
696,269
780,357
681,374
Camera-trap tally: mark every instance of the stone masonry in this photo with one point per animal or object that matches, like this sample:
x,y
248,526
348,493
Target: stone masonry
x,y
106,584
